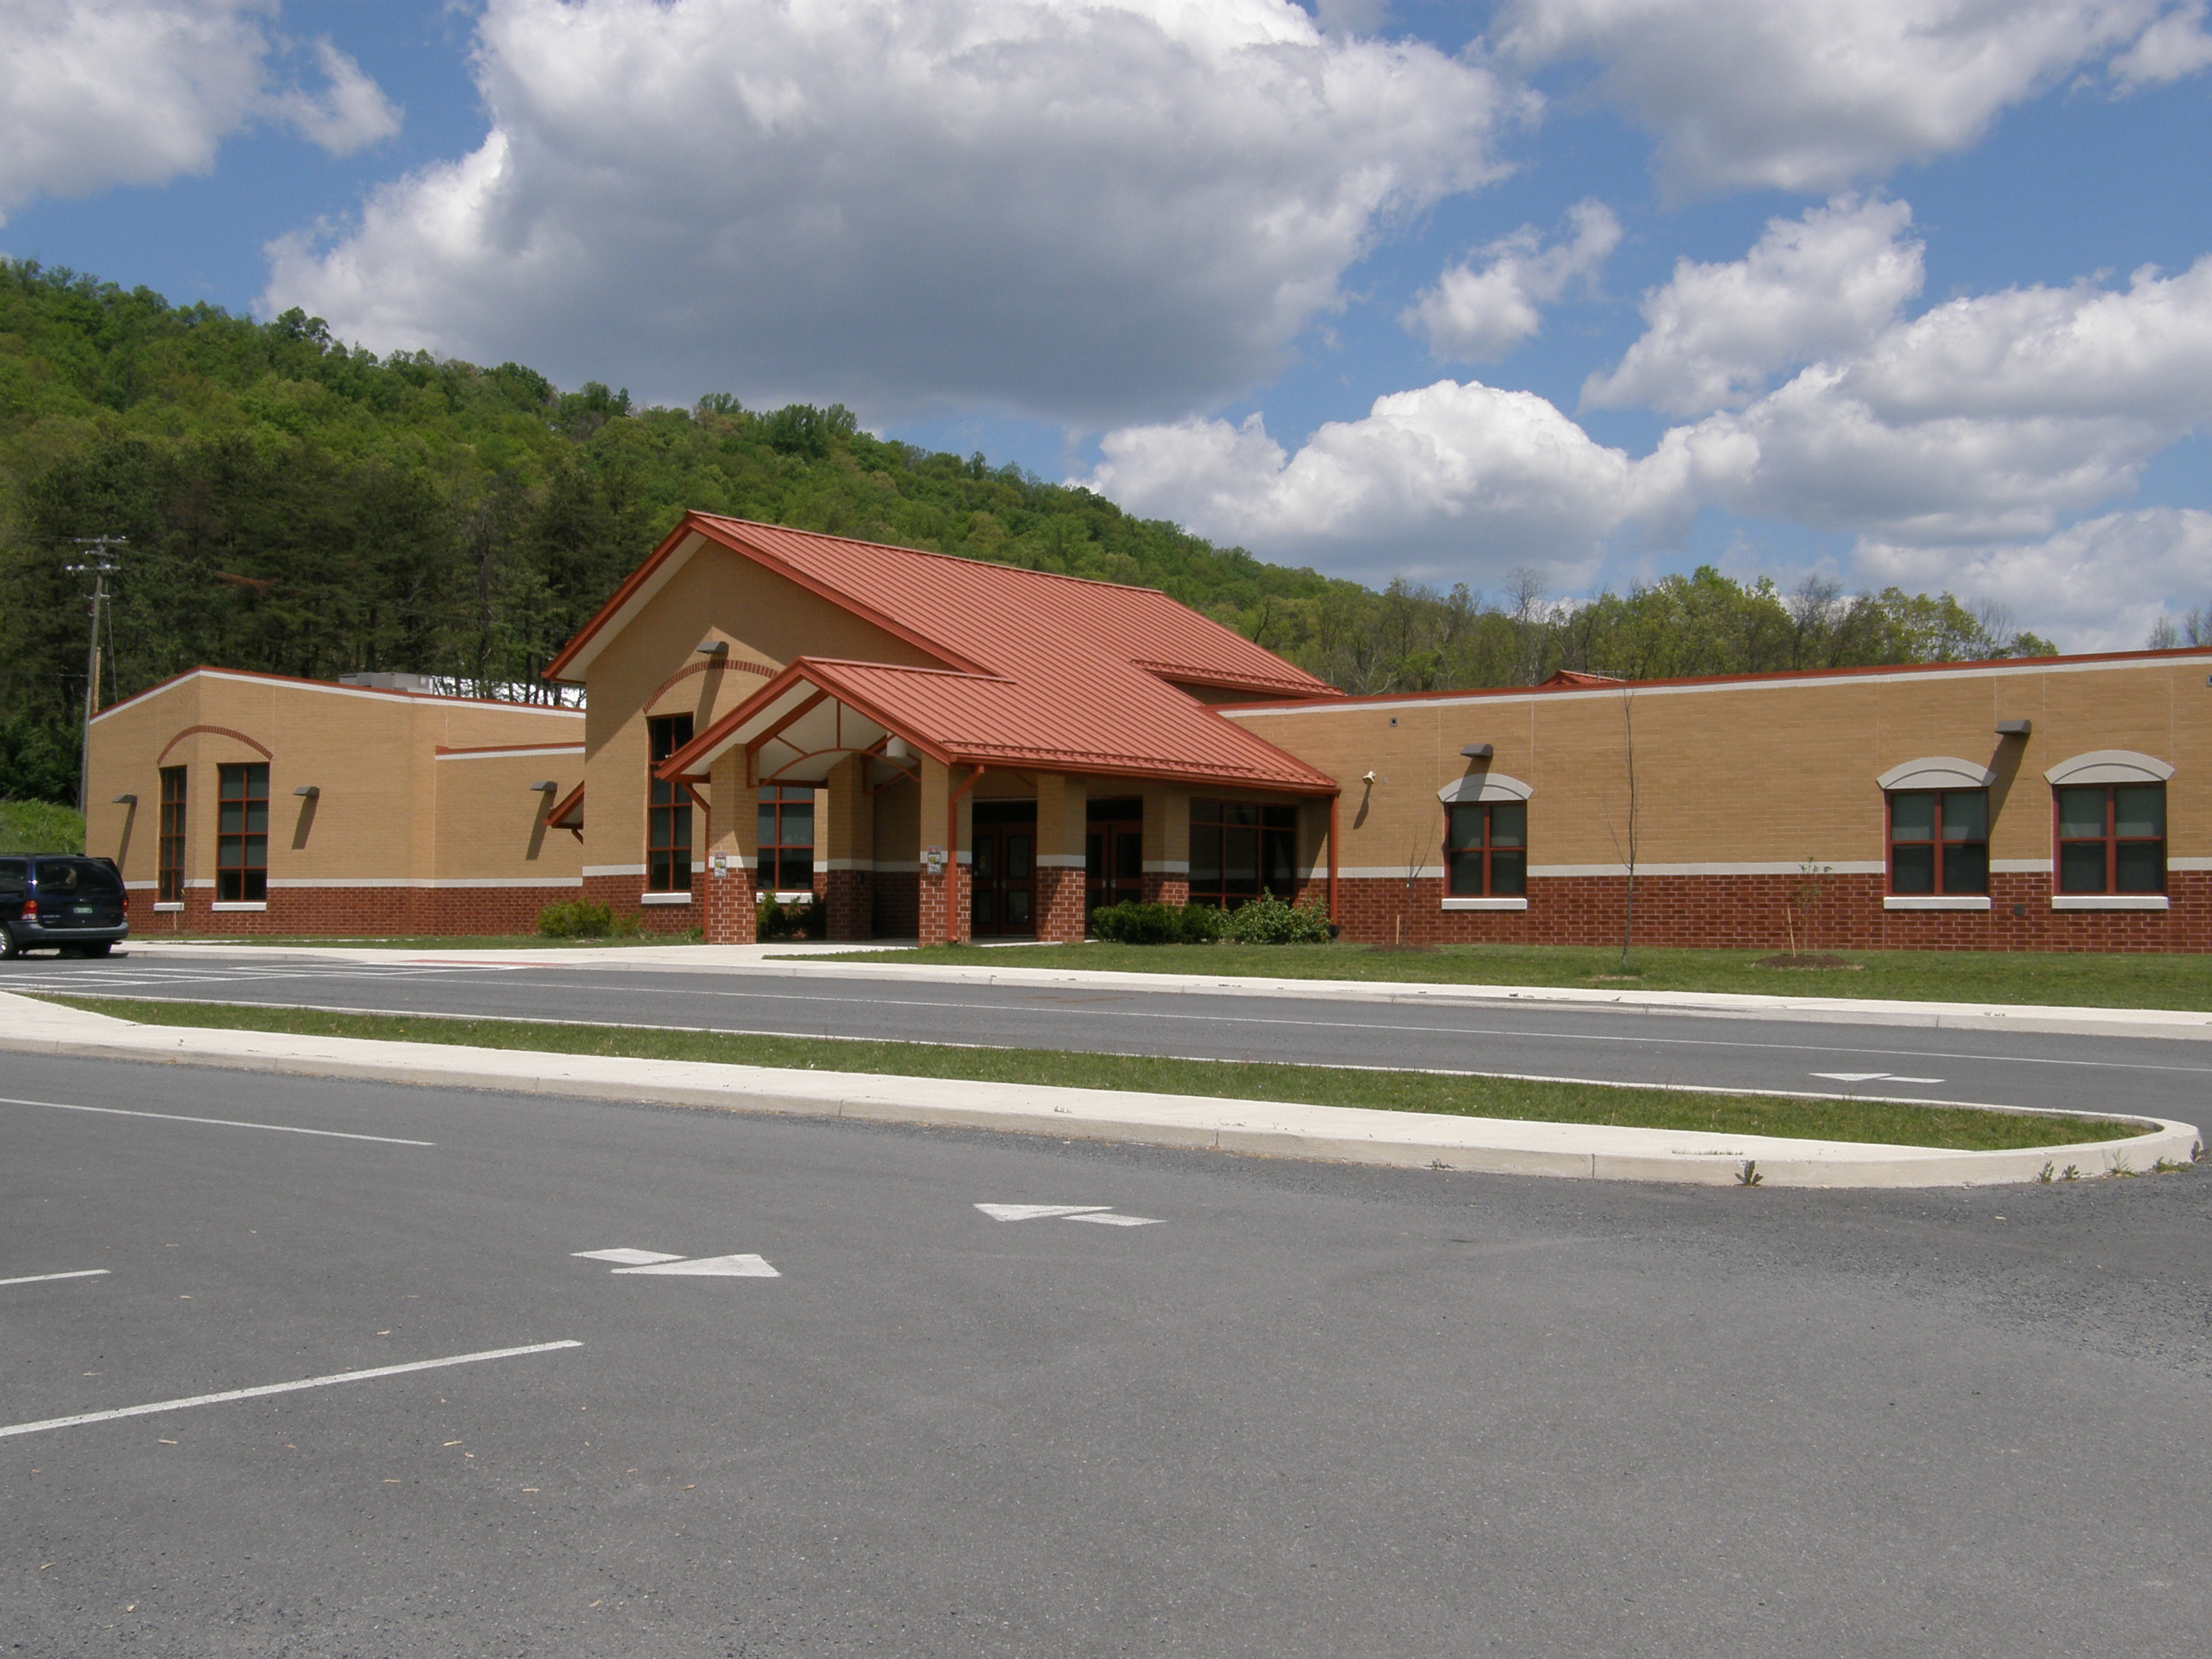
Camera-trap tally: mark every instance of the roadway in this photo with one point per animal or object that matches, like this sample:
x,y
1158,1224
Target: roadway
x,y
1284,1410
1600,1044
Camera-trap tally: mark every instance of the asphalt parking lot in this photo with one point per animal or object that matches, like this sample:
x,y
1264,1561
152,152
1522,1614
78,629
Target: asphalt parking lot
x,y
1144,1402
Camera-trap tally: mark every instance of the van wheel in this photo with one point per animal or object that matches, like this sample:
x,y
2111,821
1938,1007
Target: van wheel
x,y
8,949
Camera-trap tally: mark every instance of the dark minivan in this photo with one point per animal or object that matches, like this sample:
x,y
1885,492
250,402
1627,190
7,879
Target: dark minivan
x,y
74,904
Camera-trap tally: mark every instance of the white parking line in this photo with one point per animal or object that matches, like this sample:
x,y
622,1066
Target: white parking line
x,y
43,1279
278,1388
217,1122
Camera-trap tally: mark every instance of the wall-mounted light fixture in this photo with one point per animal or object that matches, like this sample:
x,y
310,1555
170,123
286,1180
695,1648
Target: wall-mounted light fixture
x,y
546,787
1480,750
1367,778
895,749
127,800
309,791
2014,728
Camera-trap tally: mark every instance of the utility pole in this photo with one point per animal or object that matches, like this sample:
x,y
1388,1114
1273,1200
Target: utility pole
x,y
100,569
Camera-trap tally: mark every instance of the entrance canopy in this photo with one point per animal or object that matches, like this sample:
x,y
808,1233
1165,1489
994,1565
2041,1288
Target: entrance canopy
x,y
819,711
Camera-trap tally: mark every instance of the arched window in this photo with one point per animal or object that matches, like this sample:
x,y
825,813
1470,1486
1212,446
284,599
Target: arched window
x,y
1939,829
1485,838
2111,806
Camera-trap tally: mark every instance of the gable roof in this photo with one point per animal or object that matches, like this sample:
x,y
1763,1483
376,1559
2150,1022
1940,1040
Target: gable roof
x,y
1038,670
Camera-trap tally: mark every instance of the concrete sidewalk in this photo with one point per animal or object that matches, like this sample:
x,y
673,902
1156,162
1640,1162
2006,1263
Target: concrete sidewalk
x,y
1267,1129
762,959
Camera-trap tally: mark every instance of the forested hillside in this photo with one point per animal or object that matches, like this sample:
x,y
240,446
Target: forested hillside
x,y
291,505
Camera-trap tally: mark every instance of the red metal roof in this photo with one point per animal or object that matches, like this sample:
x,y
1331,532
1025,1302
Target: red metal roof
x,y
1040,670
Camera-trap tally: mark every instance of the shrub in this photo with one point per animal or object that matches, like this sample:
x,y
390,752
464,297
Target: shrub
x,y
576,919
1137,923
802,919
1199,924
1267,920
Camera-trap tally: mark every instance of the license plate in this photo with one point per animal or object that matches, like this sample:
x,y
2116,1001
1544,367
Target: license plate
x,y
80,909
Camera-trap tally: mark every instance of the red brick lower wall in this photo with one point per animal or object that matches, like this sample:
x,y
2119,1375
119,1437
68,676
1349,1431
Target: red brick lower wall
x,y
1060,904
355,912
850,897
1759,912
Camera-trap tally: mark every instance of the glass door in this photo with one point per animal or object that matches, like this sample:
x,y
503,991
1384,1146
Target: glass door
x,y
1002,898
1113,855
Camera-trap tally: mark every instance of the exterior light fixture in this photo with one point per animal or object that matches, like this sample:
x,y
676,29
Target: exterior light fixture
x,y
2014,728
895,749
127,800
546,787
1367,778
1480,750
309,791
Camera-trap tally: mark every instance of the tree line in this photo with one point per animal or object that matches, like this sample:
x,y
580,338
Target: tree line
x,y
286,504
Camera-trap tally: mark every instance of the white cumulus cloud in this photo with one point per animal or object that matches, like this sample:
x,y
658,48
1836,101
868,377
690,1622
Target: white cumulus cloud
x,y
1814,94
1459,477
1818,286
1079,209
1477,315
2175,47
2100,584
98,93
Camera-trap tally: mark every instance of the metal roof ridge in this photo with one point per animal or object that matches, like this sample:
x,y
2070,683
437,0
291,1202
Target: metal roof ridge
x,y
934,553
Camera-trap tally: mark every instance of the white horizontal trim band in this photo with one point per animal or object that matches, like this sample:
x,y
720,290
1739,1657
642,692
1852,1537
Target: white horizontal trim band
x,y
513,754
664,898
1637,693
241,905
1062,861
142,886
2188,863
2019,866
162,908
1167,866
1833,867
1935,901
1485,904
2108,902
614,869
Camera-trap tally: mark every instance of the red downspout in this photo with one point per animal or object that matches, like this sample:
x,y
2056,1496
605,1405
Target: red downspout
x,y
1334,801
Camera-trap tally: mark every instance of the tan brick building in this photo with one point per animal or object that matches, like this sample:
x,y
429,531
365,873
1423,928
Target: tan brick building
x,y
941,748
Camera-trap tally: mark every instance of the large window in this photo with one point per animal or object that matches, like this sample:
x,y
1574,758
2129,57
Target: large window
x,y
2112,838
1486,849
171,840
241,833
1939,840
1238,852
787,839
667,811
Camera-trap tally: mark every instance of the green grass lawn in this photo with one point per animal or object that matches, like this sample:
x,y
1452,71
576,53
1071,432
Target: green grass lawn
x,y
1956,1127
2181,981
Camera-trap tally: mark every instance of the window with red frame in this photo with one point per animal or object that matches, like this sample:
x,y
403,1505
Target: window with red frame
x,y
241,833
171,843
787,839
1486,849
1939,841
2112,838
667,810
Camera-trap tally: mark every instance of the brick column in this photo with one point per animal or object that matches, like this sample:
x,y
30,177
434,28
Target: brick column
x,y
1167,845
845,827
733,841
943,889
1059,831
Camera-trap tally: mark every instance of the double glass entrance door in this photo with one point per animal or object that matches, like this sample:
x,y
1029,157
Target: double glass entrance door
x,y
1004,901
1113,855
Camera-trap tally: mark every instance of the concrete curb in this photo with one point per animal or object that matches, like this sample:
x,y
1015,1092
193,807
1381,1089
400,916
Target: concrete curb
x,y
1265,1128
759,960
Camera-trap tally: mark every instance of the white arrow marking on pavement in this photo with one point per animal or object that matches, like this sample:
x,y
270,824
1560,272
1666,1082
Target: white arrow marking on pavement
x,y
1893,1077
1037,1212
1850,1077
713,1266
1107,1219
628,1258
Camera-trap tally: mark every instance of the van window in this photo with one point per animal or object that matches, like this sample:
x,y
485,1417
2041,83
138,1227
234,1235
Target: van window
x,y
59,876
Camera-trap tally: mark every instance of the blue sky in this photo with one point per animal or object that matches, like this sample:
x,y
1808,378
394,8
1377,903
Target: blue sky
x,y
1592,289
